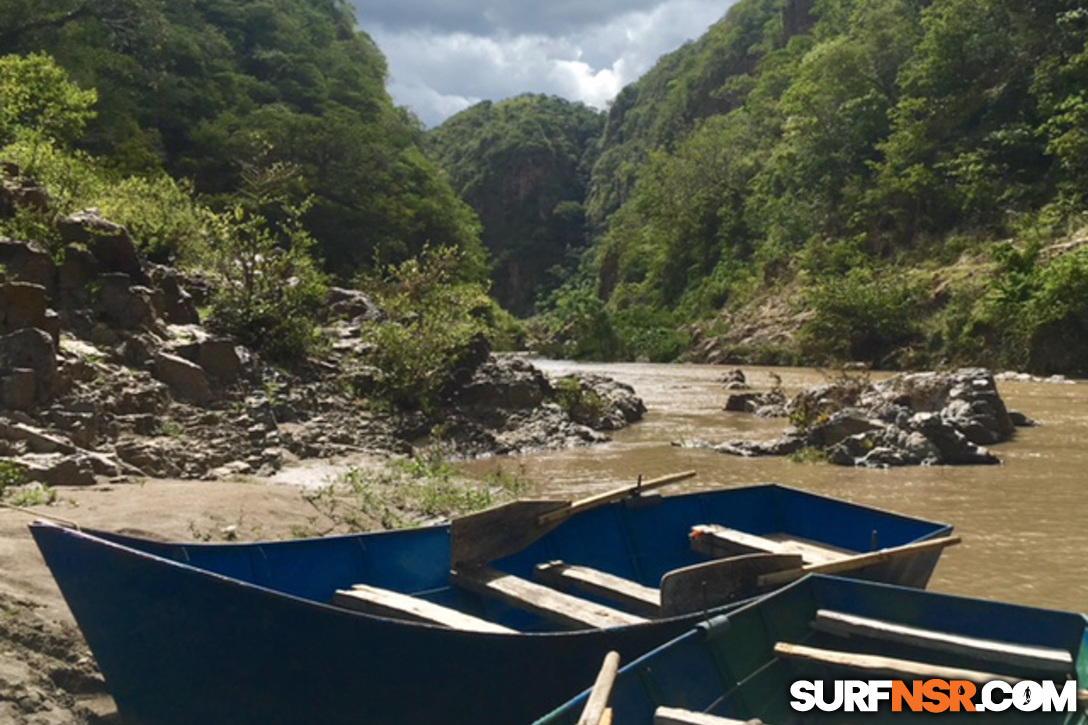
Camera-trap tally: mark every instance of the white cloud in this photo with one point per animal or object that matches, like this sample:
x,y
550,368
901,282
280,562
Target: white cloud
x,y
437,73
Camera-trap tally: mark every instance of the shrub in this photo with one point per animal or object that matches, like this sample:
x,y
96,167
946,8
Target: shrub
x,y
582,404
431,317
862,315
38,102
268,288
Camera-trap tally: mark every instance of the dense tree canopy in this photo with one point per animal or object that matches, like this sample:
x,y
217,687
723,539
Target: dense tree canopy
x,y
523,165
204,87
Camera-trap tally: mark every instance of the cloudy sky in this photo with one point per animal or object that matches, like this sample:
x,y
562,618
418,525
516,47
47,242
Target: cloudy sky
x,y
445,55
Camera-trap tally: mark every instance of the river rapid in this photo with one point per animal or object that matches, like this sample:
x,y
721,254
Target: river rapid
x,y
1022,523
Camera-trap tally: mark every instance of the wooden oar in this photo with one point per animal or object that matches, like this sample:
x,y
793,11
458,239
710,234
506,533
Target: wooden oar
x,y
503,530
853,563
722,581
597,703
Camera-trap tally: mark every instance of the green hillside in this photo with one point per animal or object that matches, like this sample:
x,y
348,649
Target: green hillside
x,y
523,165
887,175
208,88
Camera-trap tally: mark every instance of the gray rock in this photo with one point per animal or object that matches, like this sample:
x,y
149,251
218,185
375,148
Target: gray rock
x,y
186,380
506,382
614,404
1020,420
348,304
178,306
22,304
76,272
57,469
125,305
32,349
773,401
911,419
18,390
221,358
27,263
840,425
110,243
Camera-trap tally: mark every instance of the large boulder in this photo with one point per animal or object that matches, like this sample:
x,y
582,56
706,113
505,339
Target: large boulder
x,y
27,263
185,379
349,304
58,469
19,390
911,419
75,275
110,243
506,382
22,304
125,305
178,306
599,402
31,349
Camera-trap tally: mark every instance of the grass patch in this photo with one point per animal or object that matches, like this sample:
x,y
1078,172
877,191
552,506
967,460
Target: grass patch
x,y
404,493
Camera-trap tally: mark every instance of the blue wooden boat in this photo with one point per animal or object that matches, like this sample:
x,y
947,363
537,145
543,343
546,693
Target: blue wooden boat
x,y
230,634
740,665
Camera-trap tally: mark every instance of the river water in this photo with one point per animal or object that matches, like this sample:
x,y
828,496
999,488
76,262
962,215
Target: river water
x,y
1025,538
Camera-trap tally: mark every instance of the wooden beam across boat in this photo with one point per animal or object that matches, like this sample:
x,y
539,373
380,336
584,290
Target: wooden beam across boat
x,y
546,602
890,666
385,603
676,716
1042,659
642,600
721,541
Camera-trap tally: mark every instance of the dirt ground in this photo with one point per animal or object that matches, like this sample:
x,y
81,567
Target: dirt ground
x,y
47,675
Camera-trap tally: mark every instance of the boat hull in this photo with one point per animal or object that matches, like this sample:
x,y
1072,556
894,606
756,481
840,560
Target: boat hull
x,y
242,633
728,666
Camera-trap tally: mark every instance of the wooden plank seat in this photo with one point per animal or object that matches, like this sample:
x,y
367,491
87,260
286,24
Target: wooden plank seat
x,y
1042,659
564,609
641,600
676,716
395,605
721,541
886,666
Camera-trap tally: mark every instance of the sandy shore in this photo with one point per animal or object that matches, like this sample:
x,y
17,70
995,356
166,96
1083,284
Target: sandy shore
x,y
47,676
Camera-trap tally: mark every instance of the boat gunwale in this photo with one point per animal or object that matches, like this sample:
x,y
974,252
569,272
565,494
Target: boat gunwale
x,y
707,630
114,541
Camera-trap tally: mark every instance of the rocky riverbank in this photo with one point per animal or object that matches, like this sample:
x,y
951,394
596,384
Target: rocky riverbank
x,y
106,370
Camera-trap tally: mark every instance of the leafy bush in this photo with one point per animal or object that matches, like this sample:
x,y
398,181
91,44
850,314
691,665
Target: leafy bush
x,y
11,474
38,102
432,315
268,288
163,215
1037,309
582,404
862,315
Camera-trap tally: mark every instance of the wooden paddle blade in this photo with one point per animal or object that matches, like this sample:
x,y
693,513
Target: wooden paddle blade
x,y
705,586
500,531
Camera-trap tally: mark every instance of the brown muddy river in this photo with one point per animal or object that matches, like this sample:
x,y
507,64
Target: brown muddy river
x,y
1023,523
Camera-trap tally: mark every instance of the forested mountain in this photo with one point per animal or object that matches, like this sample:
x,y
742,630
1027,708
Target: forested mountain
x,y
888,172
209,88
523,165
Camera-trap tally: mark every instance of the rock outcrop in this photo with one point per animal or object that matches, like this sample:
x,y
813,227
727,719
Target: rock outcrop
x,y
911,419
